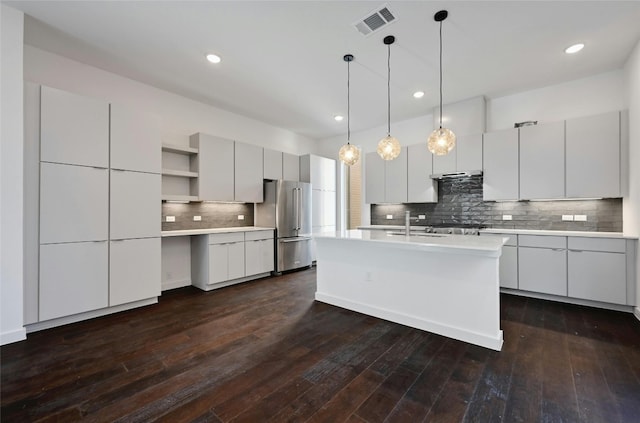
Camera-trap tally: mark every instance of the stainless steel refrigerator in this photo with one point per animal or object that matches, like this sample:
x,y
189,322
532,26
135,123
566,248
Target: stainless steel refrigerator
x,y
287,207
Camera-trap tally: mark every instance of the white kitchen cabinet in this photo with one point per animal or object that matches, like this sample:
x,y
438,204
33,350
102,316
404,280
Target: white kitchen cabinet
x,y
542,161
248,173
73,278
542,264
214,164
74,203
374,179
291,167
217,258
447,162
593,156
135,210
134,270
259,252
319,171
73,129
226,261
508,261
468,152
272,164
396,178
329,208
323,211
500,165
420,187
135,140
598,269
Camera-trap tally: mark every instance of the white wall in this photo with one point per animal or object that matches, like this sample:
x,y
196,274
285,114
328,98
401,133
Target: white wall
x,y
631,204
11,153
181,116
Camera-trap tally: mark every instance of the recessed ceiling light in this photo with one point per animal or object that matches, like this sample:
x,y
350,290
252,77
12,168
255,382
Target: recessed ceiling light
x,y
418,94
213,58
338,118
574,48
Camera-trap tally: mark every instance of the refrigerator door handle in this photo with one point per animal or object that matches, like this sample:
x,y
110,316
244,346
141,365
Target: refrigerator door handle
x,y
299,207
296,239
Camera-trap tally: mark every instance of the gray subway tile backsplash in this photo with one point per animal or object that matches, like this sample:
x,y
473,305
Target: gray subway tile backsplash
x,y
214,215
460,203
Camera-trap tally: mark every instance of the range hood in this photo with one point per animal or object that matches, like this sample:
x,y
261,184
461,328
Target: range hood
x,y
451,175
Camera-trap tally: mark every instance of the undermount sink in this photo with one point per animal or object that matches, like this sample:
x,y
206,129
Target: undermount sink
x,y
416,234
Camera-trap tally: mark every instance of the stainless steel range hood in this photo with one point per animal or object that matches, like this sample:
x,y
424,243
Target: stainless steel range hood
x,y
450,175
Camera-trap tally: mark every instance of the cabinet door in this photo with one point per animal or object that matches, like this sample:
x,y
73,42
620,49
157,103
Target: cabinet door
x,y
272,164
542,270
598,276
468,152
236,260
509,267
73,129
135,140
215,166
135,207
74,203
134,270
328,208
317,207
258,256
500,165
290,167
542,161
593,156
218,263
328,174
396,178
248,173
446,163
374,179
420,188
73,278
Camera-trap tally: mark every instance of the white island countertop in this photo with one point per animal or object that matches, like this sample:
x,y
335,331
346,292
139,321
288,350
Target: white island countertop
x,y
207,231
452,244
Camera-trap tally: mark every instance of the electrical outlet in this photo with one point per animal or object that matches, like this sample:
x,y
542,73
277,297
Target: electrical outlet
x,y
170,219
197,218
580,217
507,217
241,217
422,216
389,216
567,217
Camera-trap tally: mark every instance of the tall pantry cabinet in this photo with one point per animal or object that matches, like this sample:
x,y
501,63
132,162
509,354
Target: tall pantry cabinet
x,y
98,196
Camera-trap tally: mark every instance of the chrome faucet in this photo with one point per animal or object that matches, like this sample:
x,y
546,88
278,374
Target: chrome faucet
x,y
407,222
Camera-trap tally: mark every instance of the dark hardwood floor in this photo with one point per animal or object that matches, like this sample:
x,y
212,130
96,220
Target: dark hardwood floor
x,y
265,351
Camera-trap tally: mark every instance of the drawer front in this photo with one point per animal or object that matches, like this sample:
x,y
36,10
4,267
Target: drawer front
x,y
512,240
542,241
256,235
609,245
226,238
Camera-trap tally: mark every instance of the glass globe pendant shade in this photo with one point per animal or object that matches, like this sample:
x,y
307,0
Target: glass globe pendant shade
x,y
388,148
441,141
349,154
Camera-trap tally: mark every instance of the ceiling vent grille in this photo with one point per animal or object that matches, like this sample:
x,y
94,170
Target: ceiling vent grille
x,y
375,20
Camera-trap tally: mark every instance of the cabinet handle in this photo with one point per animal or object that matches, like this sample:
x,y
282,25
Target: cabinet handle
x,y
576,251
557,249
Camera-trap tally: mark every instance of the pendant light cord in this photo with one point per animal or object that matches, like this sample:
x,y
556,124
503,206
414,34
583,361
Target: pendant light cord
x,y
440,74
388,89
348,101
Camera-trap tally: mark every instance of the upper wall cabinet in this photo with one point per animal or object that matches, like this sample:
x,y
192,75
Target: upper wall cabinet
x,y
319,171
386,180
500,166
542,161
248,173
135,140
86,141
420,187
272,164
214,164
467,155
374,170
593,156
290,167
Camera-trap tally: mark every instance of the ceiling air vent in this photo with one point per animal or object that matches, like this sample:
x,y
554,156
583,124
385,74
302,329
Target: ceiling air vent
x,y
375,20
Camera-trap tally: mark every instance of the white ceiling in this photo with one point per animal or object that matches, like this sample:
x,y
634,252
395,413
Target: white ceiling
x,y
282,60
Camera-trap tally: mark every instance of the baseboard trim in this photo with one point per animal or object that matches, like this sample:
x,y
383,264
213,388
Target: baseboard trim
x,y
176,284
13,336
636,312
568,300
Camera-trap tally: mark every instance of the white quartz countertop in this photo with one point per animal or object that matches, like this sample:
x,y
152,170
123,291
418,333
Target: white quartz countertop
x,y
455,244
186,232
557,233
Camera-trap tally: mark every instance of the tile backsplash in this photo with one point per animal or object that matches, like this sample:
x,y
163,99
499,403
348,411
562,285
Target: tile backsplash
x,y
460,202
213,215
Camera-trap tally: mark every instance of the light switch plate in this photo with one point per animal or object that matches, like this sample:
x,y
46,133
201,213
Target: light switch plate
x,y
170,219
241,217
567,217
422,216
389,216
197,218
507,217
580,217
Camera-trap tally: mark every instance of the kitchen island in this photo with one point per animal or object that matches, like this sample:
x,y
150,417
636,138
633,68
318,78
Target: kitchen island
x,y
445,284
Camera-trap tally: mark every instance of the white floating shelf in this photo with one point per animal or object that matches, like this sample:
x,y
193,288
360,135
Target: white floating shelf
x,y
185,173
179,149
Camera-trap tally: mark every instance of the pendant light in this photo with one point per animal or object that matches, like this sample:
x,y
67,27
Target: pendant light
x,y
442,140
389,147
349,154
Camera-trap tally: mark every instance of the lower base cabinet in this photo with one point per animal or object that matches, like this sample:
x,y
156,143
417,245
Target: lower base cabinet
x,y
509,267
73,278
542,270
134,270
259,252
226,261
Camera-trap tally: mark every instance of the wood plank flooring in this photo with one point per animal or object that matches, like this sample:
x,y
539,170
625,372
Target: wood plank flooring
x,y
264,351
